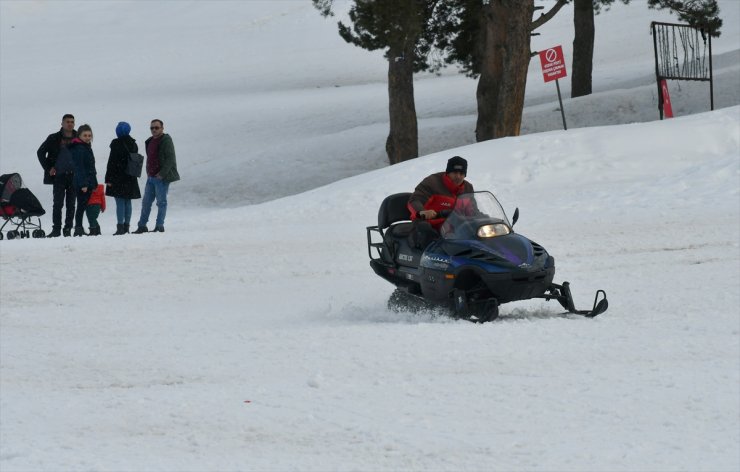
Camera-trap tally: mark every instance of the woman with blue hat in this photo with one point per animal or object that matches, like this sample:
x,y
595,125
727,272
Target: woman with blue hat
x,y
118,183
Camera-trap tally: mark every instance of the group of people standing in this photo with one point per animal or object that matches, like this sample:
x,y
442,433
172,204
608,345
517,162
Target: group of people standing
x,y
69,165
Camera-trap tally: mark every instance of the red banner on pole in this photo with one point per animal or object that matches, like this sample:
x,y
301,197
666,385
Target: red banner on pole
x,y
667,108
553,63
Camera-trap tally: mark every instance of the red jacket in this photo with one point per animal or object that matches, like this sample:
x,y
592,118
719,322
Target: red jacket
x,y
98,197
436,192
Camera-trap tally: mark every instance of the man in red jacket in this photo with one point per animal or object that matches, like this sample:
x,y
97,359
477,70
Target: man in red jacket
x,y
434,194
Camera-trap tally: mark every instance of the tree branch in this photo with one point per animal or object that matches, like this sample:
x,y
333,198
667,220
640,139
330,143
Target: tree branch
x,y
545,17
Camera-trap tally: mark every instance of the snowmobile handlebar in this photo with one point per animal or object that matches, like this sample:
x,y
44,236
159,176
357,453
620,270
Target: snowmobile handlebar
x,y
440,214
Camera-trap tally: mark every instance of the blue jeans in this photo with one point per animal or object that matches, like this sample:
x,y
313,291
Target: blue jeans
x,y
155,189
123,210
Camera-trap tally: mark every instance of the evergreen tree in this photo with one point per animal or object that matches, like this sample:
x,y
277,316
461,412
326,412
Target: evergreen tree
x,y
583,44
403,29
491,39
698,13
701,13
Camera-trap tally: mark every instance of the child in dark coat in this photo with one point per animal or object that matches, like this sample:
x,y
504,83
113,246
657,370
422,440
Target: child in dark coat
x,y
84,179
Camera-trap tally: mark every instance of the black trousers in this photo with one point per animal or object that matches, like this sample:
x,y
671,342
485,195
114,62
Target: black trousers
x,y
63,194
422,234
82,198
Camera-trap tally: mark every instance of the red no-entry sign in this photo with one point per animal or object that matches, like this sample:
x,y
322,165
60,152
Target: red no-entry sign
x,y
553,68
553,63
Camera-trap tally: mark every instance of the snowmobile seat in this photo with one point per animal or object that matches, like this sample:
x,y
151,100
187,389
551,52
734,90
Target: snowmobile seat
x,y
401,230
394,209
395,215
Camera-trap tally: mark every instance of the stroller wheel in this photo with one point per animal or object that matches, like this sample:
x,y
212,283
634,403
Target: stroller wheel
x,y
37,233
27,234
12,234
1,236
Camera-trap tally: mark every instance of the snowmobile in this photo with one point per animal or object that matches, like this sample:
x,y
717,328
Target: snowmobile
x,y
477,264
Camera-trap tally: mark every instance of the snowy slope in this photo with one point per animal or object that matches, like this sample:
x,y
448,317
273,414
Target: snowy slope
x,y
257,114
262,342
257,337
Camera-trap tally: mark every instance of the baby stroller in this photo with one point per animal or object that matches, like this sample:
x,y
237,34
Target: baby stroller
x,y
18,207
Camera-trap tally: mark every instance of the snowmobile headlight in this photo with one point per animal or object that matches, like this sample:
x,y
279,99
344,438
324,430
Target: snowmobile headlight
x,y
496,229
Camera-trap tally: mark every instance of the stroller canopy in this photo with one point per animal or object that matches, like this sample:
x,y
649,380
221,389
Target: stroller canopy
x,y
12,193
9,183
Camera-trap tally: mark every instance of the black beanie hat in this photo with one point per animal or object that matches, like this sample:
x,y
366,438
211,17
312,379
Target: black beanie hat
x,y
457,164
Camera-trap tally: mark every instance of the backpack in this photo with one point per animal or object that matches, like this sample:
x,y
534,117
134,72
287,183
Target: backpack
x,y
134,163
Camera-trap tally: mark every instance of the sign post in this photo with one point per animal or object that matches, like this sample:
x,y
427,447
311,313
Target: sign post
x,y
553,68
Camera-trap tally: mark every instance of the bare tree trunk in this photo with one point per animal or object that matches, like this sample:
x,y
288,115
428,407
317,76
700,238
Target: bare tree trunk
x,y
583,48
403,139
500,94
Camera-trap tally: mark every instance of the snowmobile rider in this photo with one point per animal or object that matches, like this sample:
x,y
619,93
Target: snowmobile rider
x,y
434,194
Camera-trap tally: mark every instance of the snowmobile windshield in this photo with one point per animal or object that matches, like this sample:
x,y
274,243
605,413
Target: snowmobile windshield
x,y
476,216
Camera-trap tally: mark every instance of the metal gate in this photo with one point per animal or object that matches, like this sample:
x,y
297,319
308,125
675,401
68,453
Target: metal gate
x,y
682,52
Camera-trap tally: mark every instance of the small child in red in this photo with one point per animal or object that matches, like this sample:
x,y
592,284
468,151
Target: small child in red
x,y
95,205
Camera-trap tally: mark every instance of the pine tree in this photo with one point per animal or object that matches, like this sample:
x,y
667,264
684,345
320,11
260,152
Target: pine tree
x,y
697,13
701,13
491,39
403,29
583,43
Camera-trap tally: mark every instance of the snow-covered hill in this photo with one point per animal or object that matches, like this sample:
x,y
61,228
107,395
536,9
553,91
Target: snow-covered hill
x,y
256,337
264,99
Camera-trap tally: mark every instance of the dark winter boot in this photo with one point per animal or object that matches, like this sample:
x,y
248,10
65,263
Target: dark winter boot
x,y
67,232
94,231
119,230
55,232
125,229
159,229
141,230
80,231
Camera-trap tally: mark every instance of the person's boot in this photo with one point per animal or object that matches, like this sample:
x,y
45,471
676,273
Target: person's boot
x,y
79,231
141,230
159,229
125,229
94,231
55,232
119,230
67,232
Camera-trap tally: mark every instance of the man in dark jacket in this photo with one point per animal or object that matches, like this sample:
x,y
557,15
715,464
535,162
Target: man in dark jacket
x,y
436,193
161,170
61,181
